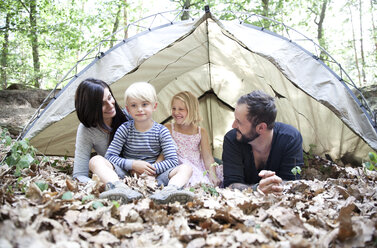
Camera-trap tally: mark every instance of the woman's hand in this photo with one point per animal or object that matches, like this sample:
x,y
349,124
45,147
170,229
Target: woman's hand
x,y
270,183
140,167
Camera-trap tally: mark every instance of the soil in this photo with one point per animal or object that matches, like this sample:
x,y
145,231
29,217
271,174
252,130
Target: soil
x,y
18,106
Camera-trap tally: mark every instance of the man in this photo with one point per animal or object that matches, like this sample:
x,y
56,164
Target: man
x,y
258,152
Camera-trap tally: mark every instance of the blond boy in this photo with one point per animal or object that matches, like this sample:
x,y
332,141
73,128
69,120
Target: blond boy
x,y
138,143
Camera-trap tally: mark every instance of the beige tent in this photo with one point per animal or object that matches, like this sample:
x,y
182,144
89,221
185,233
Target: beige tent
x,y
218,61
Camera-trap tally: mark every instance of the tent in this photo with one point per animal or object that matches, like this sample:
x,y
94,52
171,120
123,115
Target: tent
x,y
218,61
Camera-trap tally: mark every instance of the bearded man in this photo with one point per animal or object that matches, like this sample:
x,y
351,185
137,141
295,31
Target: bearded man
x,y
258,152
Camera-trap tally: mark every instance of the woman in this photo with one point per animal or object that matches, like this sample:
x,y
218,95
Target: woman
x,y
100,116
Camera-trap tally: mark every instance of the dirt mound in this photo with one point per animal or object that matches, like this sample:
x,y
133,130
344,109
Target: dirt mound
x,y
18,106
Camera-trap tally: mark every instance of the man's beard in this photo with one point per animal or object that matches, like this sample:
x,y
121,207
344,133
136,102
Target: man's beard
x,y
252,135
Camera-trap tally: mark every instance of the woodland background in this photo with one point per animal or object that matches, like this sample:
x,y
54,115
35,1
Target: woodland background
x,y
41,206
42,39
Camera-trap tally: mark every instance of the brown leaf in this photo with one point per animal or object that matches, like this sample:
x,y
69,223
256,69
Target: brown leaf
x,y
345,223
248,207
71,185
288,219
193,235
34,193
126,229
104,238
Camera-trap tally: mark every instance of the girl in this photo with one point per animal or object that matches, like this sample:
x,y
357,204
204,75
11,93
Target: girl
x,y
192,141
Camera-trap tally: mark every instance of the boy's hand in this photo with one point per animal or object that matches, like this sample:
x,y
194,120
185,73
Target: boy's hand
x,y
140,167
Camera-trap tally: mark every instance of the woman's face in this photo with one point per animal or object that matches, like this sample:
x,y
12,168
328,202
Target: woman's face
x,y
108,105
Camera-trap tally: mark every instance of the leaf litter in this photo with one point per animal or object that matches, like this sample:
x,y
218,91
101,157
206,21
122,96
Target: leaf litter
x,y
46,208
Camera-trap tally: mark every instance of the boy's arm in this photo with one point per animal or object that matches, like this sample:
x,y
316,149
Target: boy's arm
x,y
169,152
114,151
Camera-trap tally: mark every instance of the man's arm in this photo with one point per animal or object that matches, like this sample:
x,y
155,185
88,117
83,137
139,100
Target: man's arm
x,y
232,161
241,186
292,155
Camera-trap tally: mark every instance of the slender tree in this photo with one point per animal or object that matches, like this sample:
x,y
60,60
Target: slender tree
x,y
362,43
354,44
320,14
374,29
4,53
33,13
125,19
116,23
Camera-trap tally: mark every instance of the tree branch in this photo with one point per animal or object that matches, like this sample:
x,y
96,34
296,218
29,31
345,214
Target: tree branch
x,y
24,6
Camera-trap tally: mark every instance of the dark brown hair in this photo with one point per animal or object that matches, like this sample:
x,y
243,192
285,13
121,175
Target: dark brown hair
x,y
88,104
261,108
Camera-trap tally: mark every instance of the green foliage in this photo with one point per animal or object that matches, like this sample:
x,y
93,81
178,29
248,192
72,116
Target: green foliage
x,y
21,155
372,164
20,185
97,204
116,204
87,198
67,196
42,185
209,189
309,155
296,170
5,138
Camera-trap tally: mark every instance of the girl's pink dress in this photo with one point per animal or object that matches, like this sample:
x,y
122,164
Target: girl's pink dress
x,y
189,153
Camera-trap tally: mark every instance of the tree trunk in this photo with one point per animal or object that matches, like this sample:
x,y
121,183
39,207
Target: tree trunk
x,y
354,46
34,43
374,30
125,20
265,7
265,13
320,30
186,5
4,53
116,25
361,44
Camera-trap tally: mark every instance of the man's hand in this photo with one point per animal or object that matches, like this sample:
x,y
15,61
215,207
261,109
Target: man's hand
x,y
270,183
140,167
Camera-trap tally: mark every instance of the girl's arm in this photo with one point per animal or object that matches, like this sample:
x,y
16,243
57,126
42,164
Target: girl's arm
x,y
205,151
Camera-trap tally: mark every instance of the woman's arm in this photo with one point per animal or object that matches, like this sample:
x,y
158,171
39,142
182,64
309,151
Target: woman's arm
x,y
83,151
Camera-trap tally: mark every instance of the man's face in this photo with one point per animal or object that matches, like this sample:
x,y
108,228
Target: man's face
x,y
245,130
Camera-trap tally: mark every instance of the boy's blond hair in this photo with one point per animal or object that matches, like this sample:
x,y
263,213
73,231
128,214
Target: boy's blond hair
x,y
142,91
192,105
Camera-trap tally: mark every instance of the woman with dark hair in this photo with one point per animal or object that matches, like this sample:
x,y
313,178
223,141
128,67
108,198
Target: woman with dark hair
x,y
100,116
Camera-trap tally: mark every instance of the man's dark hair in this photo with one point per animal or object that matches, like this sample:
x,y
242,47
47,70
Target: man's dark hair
x,y
88,104
261,108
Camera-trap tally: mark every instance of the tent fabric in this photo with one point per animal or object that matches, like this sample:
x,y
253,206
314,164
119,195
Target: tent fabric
x,y
219,61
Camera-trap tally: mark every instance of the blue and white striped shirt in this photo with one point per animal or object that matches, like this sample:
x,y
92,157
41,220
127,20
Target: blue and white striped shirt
x,y
129,144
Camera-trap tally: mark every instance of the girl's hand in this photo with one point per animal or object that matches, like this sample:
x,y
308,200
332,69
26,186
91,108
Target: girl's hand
x,y
140,167
214,179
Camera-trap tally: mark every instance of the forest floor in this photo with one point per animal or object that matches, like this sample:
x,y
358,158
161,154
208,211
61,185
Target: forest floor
x,y
331,206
